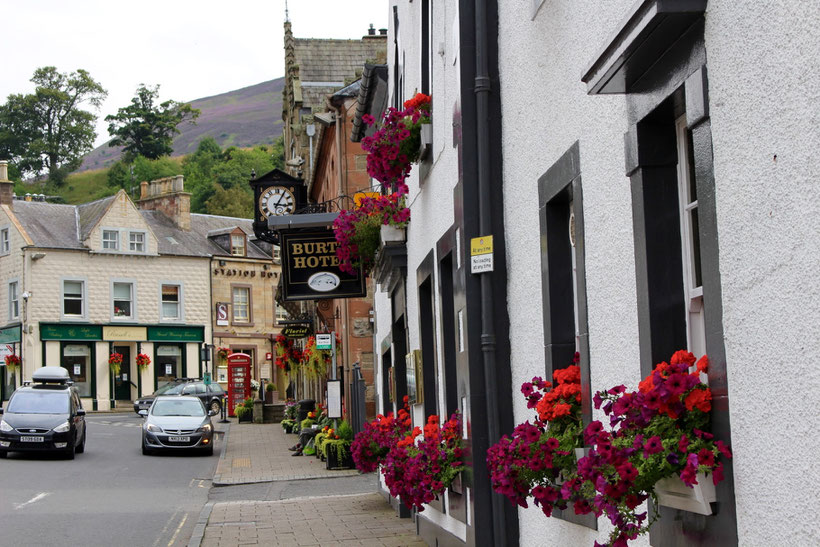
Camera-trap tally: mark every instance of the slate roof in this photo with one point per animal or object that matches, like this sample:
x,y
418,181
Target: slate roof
x,y
56,226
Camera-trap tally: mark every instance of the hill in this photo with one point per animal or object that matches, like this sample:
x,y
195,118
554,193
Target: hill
x,y
244,117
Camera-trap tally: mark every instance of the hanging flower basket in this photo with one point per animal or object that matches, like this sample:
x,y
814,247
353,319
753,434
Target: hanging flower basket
x,y
143,361
222,354
115,362
12,362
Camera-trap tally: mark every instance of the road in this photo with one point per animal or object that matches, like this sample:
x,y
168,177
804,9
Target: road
x,y
111,495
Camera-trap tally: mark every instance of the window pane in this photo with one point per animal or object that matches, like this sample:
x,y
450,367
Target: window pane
x,y
170,293
240,304
73,289
110,239
122,291
170,310
73,307
238,245
137,241
696,248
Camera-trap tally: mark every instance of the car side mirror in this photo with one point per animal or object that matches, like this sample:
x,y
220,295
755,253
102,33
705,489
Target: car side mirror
x,y
80,412
143,413
212,413
1,410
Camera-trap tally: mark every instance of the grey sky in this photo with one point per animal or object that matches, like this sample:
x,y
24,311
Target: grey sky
x,y
192,48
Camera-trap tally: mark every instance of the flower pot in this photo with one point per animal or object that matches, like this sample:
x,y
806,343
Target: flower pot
x,y
333,462
247,417
672,492
392,235
426,135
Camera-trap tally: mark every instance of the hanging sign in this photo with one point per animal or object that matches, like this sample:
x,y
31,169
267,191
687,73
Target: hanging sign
x,y
221,314
311,269
323,341
481,254
297,331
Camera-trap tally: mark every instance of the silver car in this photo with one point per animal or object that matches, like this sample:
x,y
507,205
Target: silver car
x,y
177,423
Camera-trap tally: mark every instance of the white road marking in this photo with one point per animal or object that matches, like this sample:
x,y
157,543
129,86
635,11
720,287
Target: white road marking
x,y
35,499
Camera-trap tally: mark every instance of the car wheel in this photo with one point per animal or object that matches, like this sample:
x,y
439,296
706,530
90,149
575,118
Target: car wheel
x,y
216,406
81,448
69,453
145,450
209,451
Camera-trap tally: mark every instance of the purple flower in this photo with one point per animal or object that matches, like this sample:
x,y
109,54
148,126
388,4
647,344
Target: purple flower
x,y
653,445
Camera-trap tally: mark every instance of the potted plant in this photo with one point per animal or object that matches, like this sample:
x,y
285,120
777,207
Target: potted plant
x,y
270,393
222,354
397,143
655,435
12,363
114,363
244,411
359,231
143,361
337,447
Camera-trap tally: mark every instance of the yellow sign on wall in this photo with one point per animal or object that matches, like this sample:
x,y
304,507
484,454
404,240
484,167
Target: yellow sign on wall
x,y
481,245
125,334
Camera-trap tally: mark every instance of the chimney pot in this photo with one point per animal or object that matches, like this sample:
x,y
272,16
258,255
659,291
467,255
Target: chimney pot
x,y
382,32
371,31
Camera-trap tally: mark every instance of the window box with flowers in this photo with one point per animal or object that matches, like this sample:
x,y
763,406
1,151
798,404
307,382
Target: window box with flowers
x,y
114,363
656,435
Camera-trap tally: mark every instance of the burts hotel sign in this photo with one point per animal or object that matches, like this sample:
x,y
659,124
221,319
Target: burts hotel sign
x,y
311,270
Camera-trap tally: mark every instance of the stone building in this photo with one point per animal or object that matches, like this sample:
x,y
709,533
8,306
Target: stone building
x,y
646,169
111,276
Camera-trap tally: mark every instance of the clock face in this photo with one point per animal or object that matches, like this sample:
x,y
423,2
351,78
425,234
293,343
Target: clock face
x,y
276,201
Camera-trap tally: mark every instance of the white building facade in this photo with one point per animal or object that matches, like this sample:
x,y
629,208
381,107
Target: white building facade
x,y
645,169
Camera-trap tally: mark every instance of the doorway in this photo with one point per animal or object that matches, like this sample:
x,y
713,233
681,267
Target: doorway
x,y
122,381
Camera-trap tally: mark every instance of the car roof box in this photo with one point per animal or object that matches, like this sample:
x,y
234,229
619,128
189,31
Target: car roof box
x,y
51,375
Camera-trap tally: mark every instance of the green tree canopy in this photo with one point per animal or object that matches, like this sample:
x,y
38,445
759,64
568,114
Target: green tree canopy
x,y
49,130
145,128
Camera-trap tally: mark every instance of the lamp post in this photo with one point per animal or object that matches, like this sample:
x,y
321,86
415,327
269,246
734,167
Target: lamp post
x,y
205,356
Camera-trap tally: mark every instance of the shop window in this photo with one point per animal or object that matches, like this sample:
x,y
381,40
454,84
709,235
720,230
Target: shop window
x,y
14,301
76,359
111,240
5,246
168,364
241,304
136,242
237,245
171,302
73,299
123,305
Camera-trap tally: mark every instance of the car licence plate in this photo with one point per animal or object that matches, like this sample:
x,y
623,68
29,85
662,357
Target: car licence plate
x,y
179,439
27,439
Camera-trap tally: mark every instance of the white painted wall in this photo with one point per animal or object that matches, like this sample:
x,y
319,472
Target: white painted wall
x,y
764,81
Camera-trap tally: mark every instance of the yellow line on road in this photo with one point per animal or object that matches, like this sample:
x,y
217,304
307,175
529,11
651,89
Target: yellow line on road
x,y
181,524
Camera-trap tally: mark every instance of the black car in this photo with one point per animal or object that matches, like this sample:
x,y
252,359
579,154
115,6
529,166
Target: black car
x,y
44,415
210,395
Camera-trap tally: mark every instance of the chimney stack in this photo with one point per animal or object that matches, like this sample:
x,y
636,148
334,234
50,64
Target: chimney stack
x,y
169,198
6,186
371,31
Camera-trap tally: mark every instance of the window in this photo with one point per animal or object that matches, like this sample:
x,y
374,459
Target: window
x,y
111,240
14,301
170,302
76,358
4,241
73,298
237,245
690,240
281,314
168,364
123,300
136,242
277,254
241,305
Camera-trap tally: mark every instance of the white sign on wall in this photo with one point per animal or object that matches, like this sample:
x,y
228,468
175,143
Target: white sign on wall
x,y
323,341
221,314
334,398
169,370
76,370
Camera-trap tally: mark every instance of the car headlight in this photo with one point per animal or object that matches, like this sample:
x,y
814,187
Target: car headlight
x,y
62,428
153,428
4,426
206,428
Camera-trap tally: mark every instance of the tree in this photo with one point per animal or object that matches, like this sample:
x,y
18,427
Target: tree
x,y
48,130
146,129
233,202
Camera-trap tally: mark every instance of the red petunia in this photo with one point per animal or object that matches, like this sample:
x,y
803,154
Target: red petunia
x,y
700,399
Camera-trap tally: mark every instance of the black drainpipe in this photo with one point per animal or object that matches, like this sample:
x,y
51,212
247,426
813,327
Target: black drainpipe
x,y
488,342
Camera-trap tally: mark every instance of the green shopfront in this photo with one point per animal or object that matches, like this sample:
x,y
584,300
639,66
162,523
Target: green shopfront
x,y
84,349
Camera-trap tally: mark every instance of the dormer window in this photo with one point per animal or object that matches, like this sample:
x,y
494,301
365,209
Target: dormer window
x,y
111,240
237,244
136,242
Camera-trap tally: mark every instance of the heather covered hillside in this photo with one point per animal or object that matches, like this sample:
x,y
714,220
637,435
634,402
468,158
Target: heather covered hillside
x,y
243,118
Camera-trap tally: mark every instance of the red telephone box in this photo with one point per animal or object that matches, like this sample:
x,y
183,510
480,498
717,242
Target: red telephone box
x,y
239,379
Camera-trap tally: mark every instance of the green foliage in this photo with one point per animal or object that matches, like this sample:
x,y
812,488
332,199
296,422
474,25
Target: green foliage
x,y
270,387
288,424
48,130
234,202
345,431
340,448
306,423
241,411
147,129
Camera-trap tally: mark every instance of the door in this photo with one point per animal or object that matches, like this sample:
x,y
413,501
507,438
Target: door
x,y
122,381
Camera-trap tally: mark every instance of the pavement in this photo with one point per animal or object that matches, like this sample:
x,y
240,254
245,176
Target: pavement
x,y
256,454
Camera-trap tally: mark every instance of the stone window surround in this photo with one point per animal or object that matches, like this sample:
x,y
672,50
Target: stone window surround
x,y
181,302
249,322
84,299
16,301
125,281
